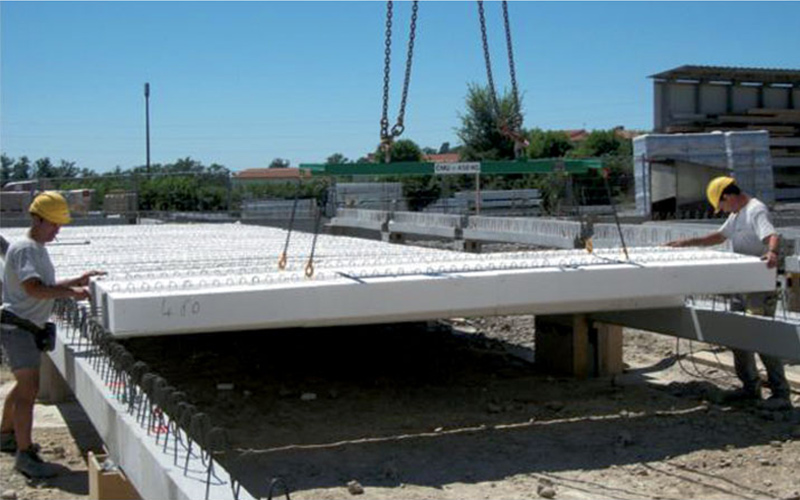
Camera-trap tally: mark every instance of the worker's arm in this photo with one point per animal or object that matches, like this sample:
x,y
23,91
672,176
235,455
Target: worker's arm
x,y
38,290
82,280
771,257
708,240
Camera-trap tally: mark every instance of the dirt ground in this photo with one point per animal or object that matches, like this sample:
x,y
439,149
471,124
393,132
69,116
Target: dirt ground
x,y
452,410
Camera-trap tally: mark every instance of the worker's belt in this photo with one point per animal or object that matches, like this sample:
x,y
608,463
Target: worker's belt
x,y
45,337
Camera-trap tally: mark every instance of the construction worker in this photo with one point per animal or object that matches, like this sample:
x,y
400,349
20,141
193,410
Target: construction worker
x,y
29,291
751,232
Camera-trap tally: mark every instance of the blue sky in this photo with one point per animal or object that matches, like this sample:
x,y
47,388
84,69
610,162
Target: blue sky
x,y
242,83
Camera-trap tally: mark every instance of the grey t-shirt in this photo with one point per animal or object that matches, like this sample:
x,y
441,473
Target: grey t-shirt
x,y
27,259
747,228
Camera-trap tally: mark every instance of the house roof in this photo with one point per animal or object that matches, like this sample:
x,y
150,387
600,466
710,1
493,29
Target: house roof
x,y
271,173
442,158
726,73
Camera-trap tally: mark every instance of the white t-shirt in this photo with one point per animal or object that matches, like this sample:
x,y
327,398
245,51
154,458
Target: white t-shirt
x,y
747,228
27,259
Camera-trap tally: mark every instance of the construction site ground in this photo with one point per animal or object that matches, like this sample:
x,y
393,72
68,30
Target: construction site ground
x,y
451,410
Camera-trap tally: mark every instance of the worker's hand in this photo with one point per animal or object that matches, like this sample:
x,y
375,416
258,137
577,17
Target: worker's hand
x,y
84,279
80,293
771,258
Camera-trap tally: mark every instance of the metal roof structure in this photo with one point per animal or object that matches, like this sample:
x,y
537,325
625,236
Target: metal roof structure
x,y
737,74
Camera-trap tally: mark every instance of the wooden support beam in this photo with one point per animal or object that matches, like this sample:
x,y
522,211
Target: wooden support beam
x,y
793,290
609,349
573,345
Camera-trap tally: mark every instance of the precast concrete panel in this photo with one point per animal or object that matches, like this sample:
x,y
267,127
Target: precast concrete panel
x,y
170,279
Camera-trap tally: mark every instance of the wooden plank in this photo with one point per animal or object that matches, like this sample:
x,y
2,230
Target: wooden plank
x,y
609,349
773,111
784,141
776,119
786,161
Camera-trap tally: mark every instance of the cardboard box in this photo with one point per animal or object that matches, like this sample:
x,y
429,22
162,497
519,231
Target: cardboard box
x,y
108,485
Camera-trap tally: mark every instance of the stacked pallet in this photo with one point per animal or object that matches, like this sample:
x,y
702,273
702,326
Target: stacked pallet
x,y
783,126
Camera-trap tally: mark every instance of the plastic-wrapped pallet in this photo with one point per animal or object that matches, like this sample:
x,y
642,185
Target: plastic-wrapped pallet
x,y
745,155
749,157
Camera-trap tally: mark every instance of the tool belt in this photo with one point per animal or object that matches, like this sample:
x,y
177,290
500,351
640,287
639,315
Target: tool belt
x,y
45,337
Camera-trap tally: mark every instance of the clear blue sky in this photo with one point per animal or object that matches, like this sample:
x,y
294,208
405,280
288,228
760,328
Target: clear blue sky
x,y
242,83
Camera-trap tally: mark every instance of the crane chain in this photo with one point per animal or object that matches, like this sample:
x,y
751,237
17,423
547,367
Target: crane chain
x,y
388,137
517,118
509,127
487,58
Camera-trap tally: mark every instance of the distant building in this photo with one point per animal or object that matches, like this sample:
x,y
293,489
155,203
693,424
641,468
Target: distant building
x,y
441,158
691,99
269,175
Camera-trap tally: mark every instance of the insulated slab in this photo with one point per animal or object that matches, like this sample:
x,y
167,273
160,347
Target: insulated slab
x,y
169,279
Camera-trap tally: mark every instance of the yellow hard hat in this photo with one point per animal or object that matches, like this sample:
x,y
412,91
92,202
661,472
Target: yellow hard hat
x,y
52,207
715,189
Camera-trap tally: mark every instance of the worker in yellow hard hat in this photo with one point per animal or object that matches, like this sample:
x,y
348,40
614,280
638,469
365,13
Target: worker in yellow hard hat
x,y
29,292
751,232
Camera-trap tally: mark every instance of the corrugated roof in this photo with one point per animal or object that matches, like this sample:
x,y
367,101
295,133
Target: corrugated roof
x,y
725,73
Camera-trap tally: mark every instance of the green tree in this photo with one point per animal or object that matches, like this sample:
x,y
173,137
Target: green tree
x,y
600,143
404,150
21,170
279,163
66,169
337,159
43,168
479,132
6,168
548,144
616,153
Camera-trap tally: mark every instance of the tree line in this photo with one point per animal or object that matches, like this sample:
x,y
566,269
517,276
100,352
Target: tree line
x,y
187,184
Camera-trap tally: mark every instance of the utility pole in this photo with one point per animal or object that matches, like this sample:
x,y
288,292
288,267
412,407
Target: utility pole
x,y
147,123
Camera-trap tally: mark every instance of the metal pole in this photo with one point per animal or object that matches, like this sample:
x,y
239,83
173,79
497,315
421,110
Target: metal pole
x,y
477,193
147,123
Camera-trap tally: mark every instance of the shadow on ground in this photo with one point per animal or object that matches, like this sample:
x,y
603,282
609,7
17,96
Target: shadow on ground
x,y
415,404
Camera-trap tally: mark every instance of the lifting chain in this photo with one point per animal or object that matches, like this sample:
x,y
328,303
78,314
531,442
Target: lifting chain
x,y
387,137
510,126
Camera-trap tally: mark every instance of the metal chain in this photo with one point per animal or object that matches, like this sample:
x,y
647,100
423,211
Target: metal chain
x,y
511,126
399,126
517,117
387,51
487,58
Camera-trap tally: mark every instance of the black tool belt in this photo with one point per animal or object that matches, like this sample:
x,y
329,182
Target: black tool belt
x,y
45,337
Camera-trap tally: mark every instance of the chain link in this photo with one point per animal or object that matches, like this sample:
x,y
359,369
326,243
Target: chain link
x,y
512,125
387,51
517,115
399,126
487,58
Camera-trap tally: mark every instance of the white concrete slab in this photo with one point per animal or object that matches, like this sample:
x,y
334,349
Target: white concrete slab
x,y
151,470
170,279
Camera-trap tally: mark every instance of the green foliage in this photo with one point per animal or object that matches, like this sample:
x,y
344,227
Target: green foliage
x,y
403,150
601,143
420,191
337,159
548,144
479,131
279,163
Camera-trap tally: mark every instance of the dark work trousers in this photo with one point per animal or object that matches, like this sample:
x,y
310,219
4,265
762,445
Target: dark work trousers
x,y
759,304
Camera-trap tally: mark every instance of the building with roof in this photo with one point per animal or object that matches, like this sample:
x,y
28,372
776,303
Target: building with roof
x,y
269,175
692,99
